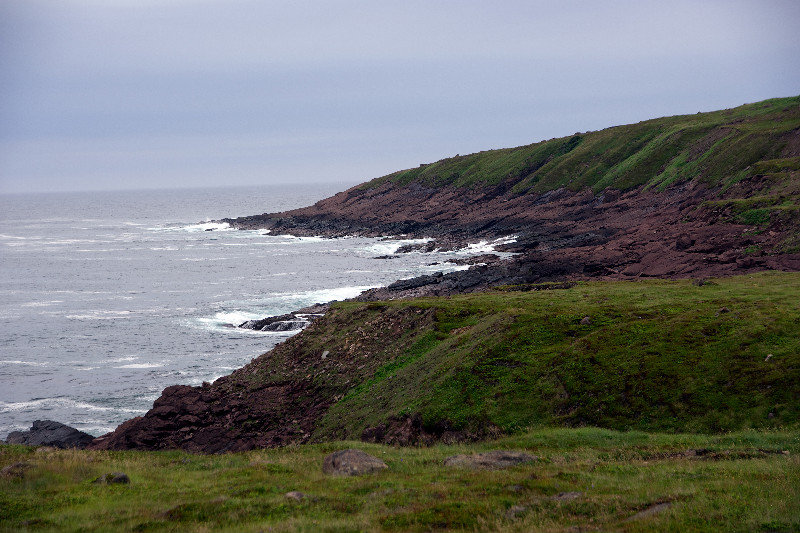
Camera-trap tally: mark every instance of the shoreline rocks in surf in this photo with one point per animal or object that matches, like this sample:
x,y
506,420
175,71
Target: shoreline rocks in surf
x,y
295,320
50,433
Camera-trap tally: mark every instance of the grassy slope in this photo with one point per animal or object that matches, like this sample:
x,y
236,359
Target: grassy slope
x,y
718,148
616,474
657,355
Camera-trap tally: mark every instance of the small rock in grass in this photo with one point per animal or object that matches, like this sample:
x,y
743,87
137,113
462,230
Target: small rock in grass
x,y
515,510
295,495
351,463
651,510
567,496
113,478
585,321
16,470
490,460
724,310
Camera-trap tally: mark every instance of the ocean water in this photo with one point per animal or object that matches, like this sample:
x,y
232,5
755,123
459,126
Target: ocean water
x,y
108,298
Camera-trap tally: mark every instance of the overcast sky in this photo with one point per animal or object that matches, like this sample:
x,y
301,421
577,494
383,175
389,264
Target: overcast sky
x,y
110,94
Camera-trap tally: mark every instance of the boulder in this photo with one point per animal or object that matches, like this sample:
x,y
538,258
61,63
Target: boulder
x,y
351,463
50,433
493,460
295,495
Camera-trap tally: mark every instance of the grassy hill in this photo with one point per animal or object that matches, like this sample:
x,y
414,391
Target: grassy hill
x,y
652,355
716,148
725,168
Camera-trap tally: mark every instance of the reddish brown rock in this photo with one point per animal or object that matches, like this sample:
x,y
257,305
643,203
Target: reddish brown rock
x,y
561,234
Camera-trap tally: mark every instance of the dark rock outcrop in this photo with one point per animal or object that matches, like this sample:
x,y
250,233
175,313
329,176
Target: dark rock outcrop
x,y
289,322
50,433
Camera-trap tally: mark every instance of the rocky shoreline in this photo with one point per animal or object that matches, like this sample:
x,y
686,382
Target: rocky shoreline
x,y
560,237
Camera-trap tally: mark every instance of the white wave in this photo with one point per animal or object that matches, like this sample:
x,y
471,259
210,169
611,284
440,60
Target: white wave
x,y
327,295
59,401
274,305
208,225
62,242
100,315
293,238
100,430
200,379
42,304
123,359
232,317
23,363
141,365
15,237
390,247
487,247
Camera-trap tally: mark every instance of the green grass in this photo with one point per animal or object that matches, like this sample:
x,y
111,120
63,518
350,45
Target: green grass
x,y
657,355
714,148
743,483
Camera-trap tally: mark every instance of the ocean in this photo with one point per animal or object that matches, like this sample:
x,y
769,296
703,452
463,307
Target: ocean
x,y
106,298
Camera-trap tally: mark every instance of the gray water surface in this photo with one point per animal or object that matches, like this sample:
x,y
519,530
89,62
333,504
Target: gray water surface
x,y
108,298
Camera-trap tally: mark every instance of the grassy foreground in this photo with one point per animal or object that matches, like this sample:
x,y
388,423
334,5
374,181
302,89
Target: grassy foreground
x,y
585,479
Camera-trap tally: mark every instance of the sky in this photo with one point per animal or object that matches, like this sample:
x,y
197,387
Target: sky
x,y
128,94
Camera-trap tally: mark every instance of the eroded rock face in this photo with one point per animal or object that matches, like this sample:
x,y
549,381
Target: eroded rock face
x,y
50,433
408,430
351,463
275,400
